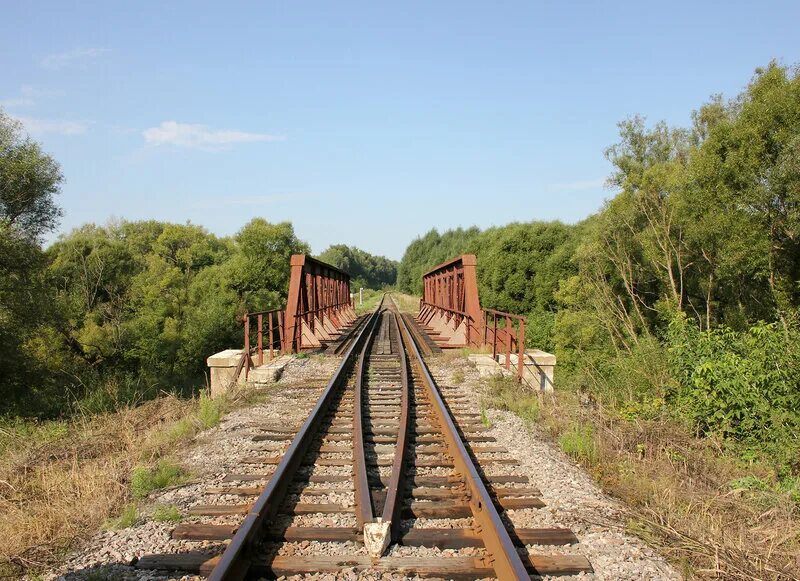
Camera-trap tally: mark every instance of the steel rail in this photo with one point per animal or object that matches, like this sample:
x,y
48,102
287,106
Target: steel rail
x,y
503,555
377,534
233,564
395,488
363,499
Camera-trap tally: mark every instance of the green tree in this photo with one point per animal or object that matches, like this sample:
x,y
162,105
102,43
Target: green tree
x,y
29,180
429,250
365,269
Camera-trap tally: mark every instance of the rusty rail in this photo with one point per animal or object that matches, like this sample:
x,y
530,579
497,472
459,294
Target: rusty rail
x,y
503,555
234,562
362,495
394,494
379,533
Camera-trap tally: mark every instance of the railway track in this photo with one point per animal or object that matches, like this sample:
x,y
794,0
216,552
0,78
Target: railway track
x,y
396,461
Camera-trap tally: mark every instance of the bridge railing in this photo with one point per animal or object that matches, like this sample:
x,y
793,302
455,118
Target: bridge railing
x,y
266,327
499,331
504,332
314,317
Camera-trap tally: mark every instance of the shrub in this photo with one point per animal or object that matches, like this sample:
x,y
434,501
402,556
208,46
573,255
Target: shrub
x,y
740,385
485,418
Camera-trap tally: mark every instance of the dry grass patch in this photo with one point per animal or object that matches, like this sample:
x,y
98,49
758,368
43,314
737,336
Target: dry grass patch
x,y
60,481
712,514
406,303
709,512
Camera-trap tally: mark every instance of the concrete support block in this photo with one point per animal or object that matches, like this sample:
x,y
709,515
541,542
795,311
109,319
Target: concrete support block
x,y
539,367
270,372
542,366
487,366
221,368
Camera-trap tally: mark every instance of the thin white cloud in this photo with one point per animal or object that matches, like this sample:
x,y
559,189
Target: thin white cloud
x,y
59,127
200,136
38,93
28,95
75,57
17,102
577,186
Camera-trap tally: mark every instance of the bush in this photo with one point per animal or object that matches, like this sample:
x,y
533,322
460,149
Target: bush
x,y
740,385
210,411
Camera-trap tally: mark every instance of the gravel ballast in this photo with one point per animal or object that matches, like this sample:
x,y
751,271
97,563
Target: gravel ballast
x,y
572,498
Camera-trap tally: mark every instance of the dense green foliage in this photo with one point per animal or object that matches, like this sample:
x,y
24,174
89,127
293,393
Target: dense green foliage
x,y
113,314
365,269
140,305
742,385
426,252
520,267
682,294
28,181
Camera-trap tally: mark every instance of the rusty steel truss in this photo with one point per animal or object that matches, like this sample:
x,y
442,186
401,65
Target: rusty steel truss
x,y
450,310
318,309
318,305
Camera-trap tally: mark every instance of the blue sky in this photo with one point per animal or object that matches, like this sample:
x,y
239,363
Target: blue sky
x,y
365,123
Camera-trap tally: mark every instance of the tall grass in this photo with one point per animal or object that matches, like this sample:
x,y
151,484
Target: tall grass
x,y
62,480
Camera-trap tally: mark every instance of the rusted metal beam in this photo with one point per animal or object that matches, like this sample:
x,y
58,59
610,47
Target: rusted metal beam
x,y
454,285
450,305
318,292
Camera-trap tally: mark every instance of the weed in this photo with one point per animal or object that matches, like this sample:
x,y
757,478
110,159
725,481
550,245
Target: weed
x,y
458,377
696,499
145,480
748,483
484,418
578,442
301,355
210,411
405,303
127,518
507,394
167,513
